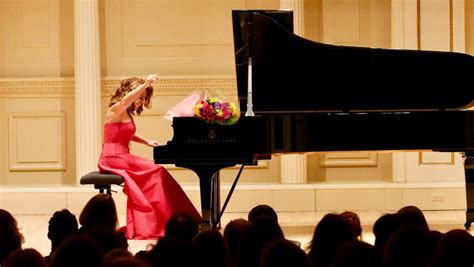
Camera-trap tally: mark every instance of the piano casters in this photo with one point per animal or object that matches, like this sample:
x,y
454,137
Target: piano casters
x,y
469,176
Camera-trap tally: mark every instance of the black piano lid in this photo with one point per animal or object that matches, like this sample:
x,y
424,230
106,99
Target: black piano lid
x,y
292,74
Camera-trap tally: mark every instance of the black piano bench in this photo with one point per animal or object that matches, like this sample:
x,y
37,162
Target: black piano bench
x,y
102,181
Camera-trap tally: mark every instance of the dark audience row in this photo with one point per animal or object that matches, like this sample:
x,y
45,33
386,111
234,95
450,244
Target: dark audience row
x,y
402,239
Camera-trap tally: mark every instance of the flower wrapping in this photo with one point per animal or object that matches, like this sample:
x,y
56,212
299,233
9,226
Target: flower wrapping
x,y
217,110
184,108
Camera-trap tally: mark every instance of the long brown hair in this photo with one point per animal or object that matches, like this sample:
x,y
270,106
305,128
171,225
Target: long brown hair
x,y
100,210
126,86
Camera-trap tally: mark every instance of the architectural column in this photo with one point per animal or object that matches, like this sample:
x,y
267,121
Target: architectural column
x,y
87,85
399,167
428,25
298,14
405,24
293,168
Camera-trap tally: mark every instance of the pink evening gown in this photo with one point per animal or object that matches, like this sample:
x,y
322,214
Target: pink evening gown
x,y
153,194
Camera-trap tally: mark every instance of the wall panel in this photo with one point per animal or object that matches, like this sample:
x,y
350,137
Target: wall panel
x,y
37,141
38,132
181,38
34,38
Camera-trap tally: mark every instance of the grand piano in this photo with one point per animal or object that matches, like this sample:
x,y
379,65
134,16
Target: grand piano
x,y
372,99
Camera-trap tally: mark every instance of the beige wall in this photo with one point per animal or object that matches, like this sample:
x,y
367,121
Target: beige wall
x,y
37,38
469,26
171,38
189,43
37,131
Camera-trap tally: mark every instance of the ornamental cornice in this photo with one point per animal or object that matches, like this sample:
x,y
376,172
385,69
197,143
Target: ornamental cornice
x,y
181,86
37,87
64,87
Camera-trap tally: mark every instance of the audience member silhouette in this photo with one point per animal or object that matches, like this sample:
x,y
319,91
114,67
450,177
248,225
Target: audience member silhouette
x,y
402,239
455,249
172,252
408,247
108,239
210,249
123,258
354,221
24,258
266,211
358,253
100,210
263,229
125,262
117,253
181,225
77,251
383,229
99,220
435,238
10,237
234,232
61,225
329,234
413,215
283,253
260,210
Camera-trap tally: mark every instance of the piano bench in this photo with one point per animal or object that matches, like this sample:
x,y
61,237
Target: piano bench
x,y
102,181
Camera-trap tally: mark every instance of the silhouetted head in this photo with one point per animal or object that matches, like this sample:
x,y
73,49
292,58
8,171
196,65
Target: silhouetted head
x,y
455,249
234,231
413,215
210,249
77,251
100,210
260,210
409,246
358,253
172,252
62,224
181,225
383,229
24,258
10,237
283,253
354,220
329,234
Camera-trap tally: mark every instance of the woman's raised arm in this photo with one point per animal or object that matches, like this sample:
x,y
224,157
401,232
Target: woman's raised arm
x,y
119,108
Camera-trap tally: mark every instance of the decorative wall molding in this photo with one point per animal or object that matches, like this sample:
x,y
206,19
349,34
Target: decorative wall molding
x,y
181,86
48,87
26,141
64,87
433,158
349,159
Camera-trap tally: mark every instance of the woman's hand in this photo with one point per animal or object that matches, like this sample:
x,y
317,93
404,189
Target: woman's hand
x,y
152,143
150,79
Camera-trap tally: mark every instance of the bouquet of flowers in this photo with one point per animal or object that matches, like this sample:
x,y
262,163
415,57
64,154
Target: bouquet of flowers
x,y
217,110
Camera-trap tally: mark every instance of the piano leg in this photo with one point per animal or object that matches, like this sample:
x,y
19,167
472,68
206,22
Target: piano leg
x,y
205,185
469,173
215,201
208,184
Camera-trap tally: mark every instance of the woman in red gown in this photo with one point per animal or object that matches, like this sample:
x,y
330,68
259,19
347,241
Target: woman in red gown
x,y
153,194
